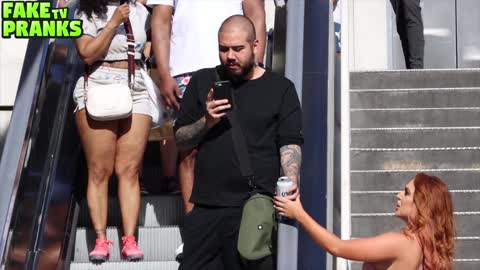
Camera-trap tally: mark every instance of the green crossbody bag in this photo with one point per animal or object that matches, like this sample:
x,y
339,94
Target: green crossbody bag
x,y
258,229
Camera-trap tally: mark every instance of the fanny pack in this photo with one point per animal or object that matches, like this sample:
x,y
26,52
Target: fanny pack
x,y
258,227
112,101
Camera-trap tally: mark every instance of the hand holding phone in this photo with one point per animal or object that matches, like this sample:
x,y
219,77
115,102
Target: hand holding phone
x,y
223,90
216,109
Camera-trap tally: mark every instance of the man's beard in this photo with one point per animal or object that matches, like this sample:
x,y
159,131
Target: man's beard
x,y
240,76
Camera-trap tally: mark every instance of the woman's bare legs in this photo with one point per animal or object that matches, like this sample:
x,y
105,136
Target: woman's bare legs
x,y
132,139
99,139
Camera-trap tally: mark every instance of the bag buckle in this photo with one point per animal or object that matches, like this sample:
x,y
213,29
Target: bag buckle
x,y
250,182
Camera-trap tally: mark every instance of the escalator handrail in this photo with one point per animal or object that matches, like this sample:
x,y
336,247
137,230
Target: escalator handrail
x,y
18,135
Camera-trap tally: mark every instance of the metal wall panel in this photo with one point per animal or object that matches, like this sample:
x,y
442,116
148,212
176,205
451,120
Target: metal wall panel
x,y
440,33
316,125
468,33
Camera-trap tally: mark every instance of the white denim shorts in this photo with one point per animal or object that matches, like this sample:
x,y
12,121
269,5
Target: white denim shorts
x,y
107,75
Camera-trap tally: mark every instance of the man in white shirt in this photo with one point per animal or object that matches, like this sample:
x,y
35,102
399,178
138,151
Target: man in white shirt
x,y
184,40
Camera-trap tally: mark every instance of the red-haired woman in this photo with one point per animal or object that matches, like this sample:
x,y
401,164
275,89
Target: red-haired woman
x,y
426,242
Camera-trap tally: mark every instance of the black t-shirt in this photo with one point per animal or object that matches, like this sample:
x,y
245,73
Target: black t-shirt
x,y
270,116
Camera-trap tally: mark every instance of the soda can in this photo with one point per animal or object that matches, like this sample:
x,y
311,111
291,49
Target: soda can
x,y
284,183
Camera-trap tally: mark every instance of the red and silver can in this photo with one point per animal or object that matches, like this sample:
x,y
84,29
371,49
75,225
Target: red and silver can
x,y
284,183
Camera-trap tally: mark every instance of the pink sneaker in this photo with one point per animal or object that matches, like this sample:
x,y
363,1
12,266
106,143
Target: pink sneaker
x,y
101,252
130,251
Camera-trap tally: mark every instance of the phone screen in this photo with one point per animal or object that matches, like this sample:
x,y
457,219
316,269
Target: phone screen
x,y
222,90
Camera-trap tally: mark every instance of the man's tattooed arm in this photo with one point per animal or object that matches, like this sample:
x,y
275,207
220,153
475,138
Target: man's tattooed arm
x,y
291,160
189,137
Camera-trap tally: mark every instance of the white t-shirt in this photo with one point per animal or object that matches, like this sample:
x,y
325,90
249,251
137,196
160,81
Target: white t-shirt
x,y
337,13
194,41
140,20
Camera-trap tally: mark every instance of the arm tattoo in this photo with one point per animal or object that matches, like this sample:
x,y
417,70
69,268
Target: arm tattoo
x,y
291,160
189,137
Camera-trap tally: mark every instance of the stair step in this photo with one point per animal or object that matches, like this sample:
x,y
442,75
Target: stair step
x,y
395,118
170,265
474,265
158,244
456,180
365,226
411,138
467,249
415,98
155,211
404,122
386,202
415,79
459,265
414,160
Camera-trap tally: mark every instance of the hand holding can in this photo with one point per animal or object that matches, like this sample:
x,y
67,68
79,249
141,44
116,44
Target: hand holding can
x,y
284,184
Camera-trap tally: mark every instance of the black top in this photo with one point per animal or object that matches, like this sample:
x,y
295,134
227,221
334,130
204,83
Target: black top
x,y
269,112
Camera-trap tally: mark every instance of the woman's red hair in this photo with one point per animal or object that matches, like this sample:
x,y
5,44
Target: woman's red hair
x,y
433,223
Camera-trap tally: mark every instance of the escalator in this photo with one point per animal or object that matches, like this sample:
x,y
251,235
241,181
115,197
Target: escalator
x,y
48,225
40,160
44,219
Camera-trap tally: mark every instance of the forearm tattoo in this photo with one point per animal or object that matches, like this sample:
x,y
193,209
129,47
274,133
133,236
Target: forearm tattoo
x,y
189,137
291,160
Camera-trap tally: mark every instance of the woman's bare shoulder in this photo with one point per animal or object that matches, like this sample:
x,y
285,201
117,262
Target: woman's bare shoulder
x,y
408,242
402,239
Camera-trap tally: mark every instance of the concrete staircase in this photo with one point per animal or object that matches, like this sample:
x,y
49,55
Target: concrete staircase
x,y
403,122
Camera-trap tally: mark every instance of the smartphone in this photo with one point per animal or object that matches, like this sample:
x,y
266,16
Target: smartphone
x,y
223,90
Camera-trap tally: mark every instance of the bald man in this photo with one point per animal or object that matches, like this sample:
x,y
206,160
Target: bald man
x,y
268,111
184,40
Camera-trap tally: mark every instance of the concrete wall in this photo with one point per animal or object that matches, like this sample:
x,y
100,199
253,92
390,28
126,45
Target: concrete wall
x,y
12,52
368,29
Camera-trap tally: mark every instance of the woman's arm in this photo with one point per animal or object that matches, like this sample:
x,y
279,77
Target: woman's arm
x,y
255,11
382,247
92,48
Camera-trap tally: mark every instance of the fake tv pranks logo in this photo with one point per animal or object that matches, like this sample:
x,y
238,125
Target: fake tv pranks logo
x,y
37,19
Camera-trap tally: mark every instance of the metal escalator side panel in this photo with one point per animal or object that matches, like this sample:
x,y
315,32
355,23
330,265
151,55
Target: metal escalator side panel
x,y
43,211
17,138
279,41
318,128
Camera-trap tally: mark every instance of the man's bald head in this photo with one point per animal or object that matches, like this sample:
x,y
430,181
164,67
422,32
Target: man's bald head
x,y
239,23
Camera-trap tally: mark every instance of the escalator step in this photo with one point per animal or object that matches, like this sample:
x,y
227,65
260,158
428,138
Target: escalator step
x,y
169,265
157,243
165,210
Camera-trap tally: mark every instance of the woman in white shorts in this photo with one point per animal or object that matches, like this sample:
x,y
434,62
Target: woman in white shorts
x,y
116,145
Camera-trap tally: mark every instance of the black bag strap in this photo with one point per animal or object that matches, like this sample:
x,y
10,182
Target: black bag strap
x,y
239,142
131,52
240,147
